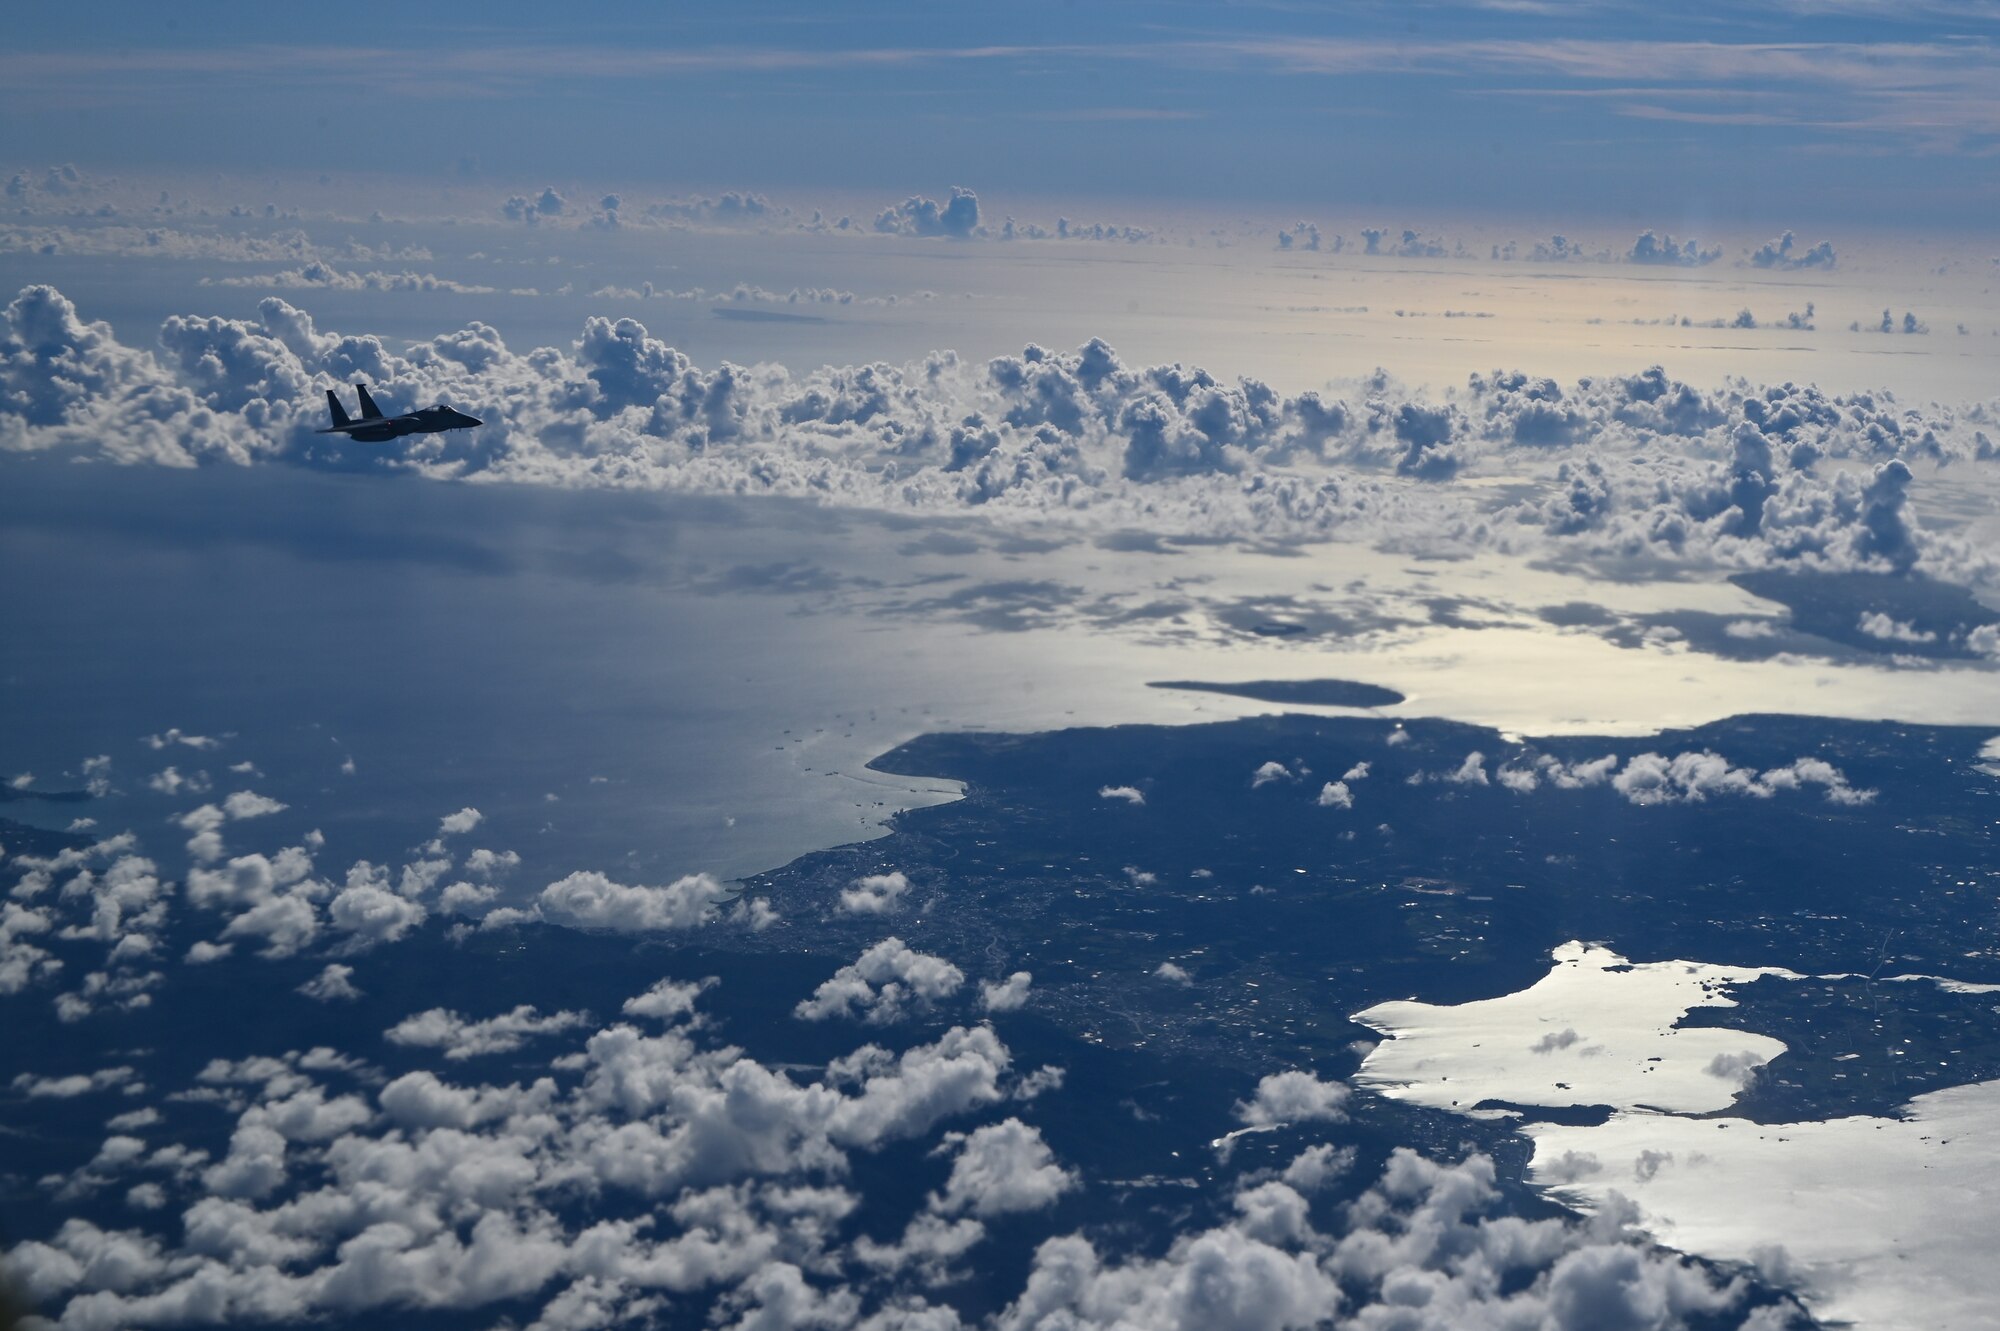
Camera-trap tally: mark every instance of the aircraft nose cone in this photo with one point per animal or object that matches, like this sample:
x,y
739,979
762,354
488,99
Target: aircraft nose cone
x,y
471,420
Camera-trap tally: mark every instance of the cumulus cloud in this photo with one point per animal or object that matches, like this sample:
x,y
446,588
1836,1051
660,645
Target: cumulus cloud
x,y
1876,624
1626,467
875,894
457,824
1268,773
251,804
459,1037
1129,794
1652,249
1293,1097
668,1000
334,983
955,218
370,913
589,900
729,207
721,1183
883,985
1000,1169
173,736
1652,778
1782,253
323,276
1335,795
75,1084
1420,1241
548,204
1009,995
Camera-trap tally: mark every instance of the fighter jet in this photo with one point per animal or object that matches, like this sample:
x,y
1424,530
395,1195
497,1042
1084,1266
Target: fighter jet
x,y
375,428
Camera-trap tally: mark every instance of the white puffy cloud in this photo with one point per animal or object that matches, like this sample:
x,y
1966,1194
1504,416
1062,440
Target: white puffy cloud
x,y
720,1178
668,1000
1783,253
335,982
883,985
249,804
1001,1168
1876,624
370,914
875,894
321,275
1652,778
460,1037
1624,468
1219,1277
956,218
285,923
1130,794
589,900
1293,1097
488,863
1471,772
75,1084
1269,773
456,824
1335,795
1651,249
1009,995
1419,1250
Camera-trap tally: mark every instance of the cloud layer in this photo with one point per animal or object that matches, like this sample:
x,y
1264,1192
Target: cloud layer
x,y
1637,467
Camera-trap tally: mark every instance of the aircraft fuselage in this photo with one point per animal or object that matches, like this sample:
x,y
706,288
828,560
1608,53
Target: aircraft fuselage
x,y
372,427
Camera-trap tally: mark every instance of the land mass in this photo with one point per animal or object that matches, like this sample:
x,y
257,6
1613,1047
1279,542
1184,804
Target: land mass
x,y
1304,692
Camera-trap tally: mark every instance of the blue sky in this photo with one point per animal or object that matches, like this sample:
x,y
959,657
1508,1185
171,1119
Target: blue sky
x,y
1843,112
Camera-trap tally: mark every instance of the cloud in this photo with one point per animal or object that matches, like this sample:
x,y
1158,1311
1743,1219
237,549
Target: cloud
x,y
323,276
1876,624
1689,777
1651,249
249,804
883,985
729,207
1130,794
1293,1097
1419,1239
1335,795
167,242
457,824
1410,244
174,735
589,900
1001,1169
1471,772
875,894
668,1000
1009,995
74,1085
548,204
721,1183
1268,773
957,218
335,983
1780,253
459,1037
1616,469
370,914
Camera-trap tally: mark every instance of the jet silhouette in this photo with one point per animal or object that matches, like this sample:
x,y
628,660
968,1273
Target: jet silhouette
x,y
375,428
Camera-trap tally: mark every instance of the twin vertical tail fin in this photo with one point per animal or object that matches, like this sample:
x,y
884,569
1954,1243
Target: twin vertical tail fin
x,y
340,416
369,411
